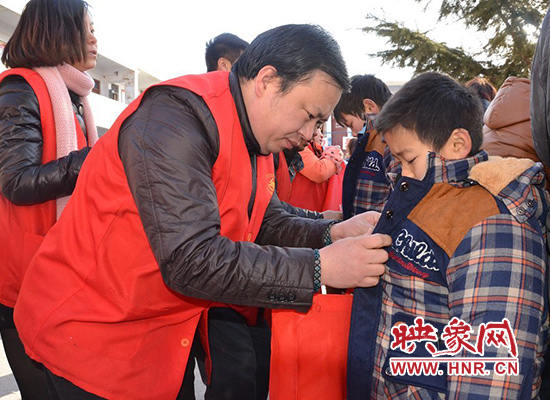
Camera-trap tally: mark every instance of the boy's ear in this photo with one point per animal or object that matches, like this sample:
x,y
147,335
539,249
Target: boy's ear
x,y
458,146
370,107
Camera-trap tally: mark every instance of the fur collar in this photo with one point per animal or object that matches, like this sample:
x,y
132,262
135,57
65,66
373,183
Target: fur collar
x,y
497,173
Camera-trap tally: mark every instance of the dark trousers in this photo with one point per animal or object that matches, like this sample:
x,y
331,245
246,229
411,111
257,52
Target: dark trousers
x,y
62,389
240,356
28,374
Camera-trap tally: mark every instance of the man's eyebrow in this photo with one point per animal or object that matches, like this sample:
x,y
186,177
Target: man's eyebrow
x,y
320,115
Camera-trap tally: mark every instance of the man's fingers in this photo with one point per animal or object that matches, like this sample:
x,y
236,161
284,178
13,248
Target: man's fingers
x,y
355,261
369,281
375,256
372,276
376,241
375,269
369,230
373,217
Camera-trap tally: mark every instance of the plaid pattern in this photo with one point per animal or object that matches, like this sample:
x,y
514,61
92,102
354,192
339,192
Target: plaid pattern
x,y
496,272
371,195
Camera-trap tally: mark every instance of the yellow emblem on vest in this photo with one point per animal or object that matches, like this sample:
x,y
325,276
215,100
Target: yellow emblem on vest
x,y
270,183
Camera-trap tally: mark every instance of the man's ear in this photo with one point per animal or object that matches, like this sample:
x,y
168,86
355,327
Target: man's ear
x,y
370,107
458,146
224,64
266,80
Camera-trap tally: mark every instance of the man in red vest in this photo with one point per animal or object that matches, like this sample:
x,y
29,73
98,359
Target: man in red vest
x,y
174,210
238,341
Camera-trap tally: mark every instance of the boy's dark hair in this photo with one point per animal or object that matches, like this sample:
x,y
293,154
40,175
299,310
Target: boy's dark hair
x,y
362,87
482,87
434,105
49,33
296,51
225,45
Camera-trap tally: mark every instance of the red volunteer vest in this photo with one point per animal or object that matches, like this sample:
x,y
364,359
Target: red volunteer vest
x,y
22,228
94,308
308,194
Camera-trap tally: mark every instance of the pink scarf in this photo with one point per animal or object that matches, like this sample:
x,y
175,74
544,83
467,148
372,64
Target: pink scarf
x,y
57,80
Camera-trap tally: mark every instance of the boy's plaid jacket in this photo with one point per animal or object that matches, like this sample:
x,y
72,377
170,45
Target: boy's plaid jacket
x,y
468,242
366,186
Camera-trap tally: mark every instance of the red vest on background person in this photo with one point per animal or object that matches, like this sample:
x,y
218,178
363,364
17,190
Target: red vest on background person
x,y
308,194
94,308
333,198
284,185
22,228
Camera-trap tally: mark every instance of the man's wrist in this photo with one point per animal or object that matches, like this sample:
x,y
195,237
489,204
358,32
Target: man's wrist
x,y
333,232
316,271
327,235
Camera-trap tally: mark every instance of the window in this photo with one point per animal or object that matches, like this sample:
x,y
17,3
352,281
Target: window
x,y
96,86
113,91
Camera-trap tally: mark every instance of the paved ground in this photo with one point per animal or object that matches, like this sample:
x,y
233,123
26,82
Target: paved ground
x,y
9,390
8,387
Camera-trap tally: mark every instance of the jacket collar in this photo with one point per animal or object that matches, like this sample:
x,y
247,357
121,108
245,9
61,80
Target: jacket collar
x,y
251,143
441,170
513,181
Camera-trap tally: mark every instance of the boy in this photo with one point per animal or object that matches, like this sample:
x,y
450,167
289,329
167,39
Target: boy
x,y
365,184
468,258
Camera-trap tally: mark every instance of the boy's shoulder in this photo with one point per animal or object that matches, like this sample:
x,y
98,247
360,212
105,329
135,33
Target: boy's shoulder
x,y
449,211
374,142
494,187
518,183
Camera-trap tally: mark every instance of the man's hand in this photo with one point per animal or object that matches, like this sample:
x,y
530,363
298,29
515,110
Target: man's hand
x,y
329,214
354,262
356,226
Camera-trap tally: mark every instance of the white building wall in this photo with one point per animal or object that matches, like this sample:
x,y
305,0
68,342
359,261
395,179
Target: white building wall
x,y
107,72
105,111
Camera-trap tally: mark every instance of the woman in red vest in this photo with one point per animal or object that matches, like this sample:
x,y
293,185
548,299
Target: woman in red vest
x,y
46,131
310,186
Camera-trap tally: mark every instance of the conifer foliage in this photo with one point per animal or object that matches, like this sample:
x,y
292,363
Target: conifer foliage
x,y
512,28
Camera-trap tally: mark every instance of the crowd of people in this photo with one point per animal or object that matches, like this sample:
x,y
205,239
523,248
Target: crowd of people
x,y
128,261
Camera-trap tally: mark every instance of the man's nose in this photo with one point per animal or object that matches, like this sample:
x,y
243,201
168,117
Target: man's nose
x,y
307,132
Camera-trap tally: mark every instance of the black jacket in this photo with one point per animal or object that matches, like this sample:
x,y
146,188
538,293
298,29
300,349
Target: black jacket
x,y
24,180
168,148
540,94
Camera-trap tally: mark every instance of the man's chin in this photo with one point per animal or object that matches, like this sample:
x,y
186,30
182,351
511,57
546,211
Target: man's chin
x,y
269,150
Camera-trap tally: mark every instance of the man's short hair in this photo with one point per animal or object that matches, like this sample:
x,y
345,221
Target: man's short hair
x,y
362,87
49,33
434,105
225,45
296,51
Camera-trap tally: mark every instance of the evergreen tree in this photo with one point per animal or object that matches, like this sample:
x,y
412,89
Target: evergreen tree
x,y
512,24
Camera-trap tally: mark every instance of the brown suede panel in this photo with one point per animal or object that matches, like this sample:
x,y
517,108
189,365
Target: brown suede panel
x,y
375,143
447,213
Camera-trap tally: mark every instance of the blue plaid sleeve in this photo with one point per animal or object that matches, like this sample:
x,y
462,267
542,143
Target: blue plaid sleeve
x,y
498,271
